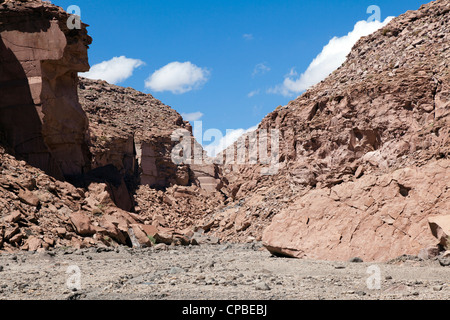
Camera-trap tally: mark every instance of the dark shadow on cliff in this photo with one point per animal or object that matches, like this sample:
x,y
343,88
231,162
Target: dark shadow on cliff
x,y
119,188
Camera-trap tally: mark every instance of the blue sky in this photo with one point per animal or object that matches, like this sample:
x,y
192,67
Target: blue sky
x,y
238,51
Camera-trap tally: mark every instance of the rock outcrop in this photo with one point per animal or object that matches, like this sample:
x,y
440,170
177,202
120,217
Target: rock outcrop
x,y
41,120
38,212
375,217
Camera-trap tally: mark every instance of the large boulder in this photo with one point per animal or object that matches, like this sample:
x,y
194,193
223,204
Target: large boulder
x,y
375,217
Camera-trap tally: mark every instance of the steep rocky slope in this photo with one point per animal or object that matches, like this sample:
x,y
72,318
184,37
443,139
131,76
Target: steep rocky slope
x,y
363,158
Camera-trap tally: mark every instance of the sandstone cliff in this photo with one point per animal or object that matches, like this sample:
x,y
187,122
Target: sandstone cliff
x,y
41,120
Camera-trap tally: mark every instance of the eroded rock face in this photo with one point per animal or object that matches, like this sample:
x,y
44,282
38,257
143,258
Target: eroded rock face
x,y
41,120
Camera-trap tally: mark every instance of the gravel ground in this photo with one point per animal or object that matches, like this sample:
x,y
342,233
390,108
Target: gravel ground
x,y
220,272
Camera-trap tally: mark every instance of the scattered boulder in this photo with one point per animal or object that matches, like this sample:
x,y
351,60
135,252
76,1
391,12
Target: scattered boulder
x,y
13,217
138,236
199,238
28,197
82,224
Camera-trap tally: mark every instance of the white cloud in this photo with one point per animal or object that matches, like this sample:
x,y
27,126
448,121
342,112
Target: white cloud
x,y
113,71
260,68
231,136
253,93
333,55
177,77
192,116
247,36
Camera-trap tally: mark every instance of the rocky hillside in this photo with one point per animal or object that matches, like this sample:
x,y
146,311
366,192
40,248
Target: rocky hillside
x,y
77,174
363,154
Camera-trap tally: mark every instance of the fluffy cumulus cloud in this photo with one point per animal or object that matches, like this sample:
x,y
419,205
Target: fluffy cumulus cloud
x,y
227,140
194,116
333,55
177,77
113,71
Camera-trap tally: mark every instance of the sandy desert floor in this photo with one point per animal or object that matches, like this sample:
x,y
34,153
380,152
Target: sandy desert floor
x,y
217,272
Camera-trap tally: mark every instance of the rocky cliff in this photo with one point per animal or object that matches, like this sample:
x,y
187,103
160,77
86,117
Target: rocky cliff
x,y
41,120
363,159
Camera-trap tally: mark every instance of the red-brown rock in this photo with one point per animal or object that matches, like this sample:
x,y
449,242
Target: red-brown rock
x,y
33,243
82,224
140,238
28,197
39,110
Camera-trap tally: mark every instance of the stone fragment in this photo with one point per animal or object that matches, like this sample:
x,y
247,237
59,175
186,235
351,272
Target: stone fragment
x,y
34,243
428,253
82,224
28,197
261,285
13,217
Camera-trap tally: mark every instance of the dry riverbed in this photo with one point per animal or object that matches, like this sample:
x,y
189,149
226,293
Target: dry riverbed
x,y
226,271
